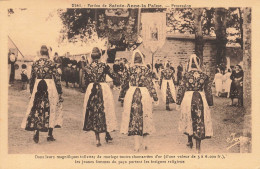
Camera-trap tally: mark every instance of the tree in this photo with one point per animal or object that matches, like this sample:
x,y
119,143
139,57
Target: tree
x,y
221,36
198,33
77,22
118,25
208,20
180,20
235,21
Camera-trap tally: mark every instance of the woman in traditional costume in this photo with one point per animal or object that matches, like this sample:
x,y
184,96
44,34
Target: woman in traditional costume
x,y
167,86
124,83
218,80
179,73
236,90
81,65
98,109
137,119
73,74
195,97
66,66
154,78
227,82
45,88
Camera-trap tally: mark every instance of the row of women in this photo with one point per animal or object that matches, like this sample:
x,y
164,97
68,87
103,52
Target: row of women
x,y
163,80
230,83
193,98
72,70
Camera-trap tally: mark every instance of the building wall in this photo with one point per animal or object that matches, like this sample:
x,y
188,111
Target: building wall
x,y
235,54
178,48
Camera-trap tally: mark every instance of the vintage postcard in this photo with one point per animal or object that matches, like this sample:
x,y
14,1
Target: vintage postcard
x,y
125,84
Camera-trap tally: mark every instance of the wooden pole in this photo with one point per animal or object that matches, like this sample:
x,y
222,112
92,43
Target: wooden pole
x,y
16,47
138,20
95,16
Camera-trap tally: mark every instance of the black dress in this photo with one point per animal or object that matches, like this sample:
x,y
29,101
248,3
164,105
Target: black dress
x,y
95,112
236,89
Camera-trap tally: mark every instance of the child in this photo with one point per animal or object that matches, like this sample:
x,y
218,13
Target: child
x,y
24,77
218,80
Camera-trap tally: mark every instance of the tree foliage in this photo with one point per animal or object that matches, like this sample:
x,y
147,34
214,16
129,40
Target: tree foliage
x,y
181,20
82,24
78,23
235,26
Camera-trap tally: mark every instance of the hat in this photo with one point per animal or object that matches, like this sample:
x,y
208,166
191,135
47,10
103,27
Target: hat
x,y
194,62
44,47
137,57
44,50
95,54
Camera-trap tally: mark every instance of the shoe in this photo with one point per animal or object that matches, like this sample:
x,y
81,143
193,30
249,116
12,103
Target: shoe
x,y
108,138
51,138
168,108
98,145
190,144
36,138
57,126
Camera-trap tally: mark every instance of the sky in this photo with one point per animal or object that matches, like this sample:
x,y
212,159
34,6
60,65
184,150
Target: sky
x,y
31,28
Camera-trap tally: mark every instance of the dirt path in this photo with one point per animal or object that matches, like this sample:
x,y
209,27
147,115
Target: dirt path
x,y
71,139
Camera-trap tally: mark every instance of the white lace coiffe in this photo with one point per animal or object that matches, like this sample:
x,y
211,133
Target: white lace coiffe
x,y
194,58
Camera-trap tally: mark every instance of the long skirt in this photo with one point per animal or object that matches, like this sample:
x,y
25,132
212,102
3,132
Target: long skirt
x,y
123,91
98,109
227,85
81,78
219,85
236,90
137,116
168,91
42,112
179,77
9,72
195,117
66,74
73,78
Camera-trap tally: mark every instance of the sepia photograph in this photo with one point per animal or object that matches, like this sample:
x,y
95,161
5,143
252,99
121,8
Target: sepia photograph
x,y
124,80
106,83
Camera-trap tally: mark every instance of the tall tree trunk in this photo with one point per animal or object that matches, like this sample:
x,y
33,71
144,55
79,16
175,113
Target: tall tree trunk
x,y
221,35
198,33
241,27
246,147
